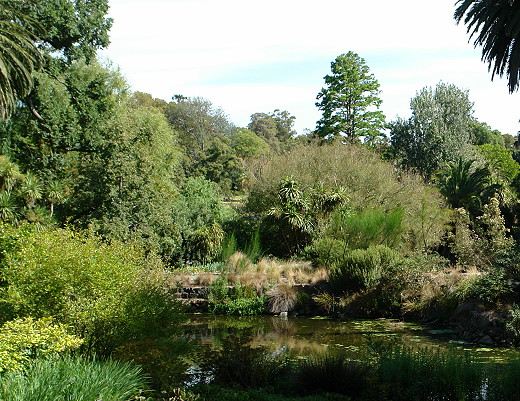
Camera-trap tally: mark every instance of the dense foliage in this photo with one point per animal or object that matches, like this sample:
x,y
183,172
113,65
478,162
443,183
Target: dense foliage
x,y
111,202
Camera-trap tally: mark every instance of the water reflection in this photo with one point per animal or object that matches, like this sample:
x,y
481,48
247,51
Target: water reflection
x,y
317,336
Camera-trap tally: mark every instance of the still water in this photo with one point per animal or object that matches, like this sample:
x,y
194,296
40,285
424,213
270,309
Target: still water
x,y
302,337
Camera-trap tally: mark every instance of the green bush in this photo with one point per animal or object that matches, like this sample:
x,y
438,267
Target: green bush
x,y
360,269
367,228
104,291
326,251
403,282
238,300
205,243
72,379
22,340
367,182
513,322
489,287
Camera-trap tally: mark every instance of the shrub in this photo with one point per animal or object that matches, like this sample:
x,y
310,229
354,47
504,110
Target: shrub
x,y
367,228
205,243
489,287
360,269
513,322
75,379
22,340
369,183
326,251
237,300
406,281
100,289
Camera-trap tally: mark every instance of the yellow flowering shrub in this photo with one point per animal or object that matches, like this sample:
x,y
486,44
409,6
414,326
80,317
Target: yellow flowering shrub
x,y
24,339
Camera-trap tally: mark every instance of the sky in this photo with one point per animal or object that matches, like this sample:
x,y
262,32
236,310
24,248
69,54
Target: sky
x,y
257,56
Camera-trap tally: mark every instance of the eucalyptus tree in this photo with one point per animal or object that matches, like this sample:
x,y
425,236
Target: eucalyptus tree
x,y
496,26
19,56
197,122
350,101
276,128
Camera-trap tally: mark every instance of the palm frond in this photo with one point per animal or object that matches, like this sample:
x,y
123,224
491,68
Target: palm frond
x,y
19,56
496,27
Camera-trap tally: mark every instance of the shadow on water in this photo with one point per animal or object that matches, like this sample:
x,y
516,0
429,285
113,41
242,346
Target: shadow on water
x,y
303,337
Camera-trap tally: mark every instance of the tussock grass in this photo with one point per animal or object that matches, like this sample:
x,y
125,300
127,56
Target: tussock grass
x,y
70,378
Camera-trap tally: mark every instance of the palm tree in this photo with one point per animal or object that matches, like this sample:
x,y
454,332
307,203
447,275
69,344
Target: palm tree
x,y
30,190
496,25
10,174
292,213
19,56
8,207
55,194
466,187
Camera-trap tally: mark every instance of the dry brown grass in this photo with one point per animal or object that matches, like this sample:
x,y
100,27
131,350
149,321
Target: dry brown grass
x,y
264,275
282,298
440,285
239,262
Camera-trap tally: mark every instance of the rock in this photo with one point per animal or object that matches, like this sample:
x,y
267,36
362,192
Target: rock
x,y
486,340
284,314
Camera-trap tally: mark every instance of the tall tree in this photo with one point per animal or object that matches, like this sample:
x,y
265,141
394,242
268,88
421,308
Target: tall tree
x,y
437,132
19,56
496,25
71,29
275,128
350,101
197,121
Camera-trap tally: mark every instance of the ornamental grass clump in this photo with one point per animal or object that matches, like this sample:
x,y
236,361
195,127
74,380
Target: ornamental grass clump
x,y
73,378
282,298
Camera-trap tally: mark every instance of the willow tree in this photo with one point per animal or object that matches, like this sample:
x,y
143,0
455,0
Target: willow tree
x,y
19,56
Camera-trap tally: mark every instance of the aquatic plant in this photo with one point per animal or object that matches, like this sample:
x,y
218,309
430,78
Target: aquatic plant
x,y
332,374
410,374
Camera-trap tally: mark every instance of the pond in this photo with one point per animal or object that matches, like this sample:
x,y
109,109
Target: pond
x,y
300,336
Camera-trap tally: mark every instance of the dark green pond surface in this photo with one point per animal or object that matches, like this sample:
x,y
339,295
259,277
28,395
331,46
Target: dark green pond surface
x,y
303,336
